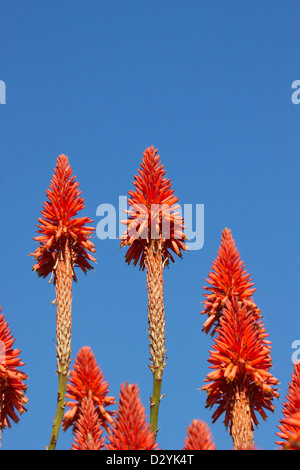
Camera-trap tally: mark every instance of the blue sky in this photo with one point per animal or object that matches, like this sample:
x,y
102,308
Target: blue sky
x,y
208,84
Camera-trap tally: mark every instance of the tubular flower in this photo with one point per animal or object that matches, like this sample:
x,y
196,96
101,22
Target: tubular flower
x,y
59,225
87,380
154,233
228,279
130,430
153,214
88,433
290,424
198,437
12,386
240,384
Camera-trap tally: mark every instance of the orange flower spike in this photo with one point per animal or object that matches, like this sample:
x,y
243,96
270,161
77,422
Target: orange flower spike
x,y
152,189
12,386
130,430
240,385
88,432
154,234
198,437
59,225
64,243
228,278
87,380
290,425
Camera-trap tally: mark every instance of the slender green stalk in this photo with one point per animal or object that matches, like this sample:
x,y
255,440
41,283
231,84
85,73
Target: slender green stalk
x,y
62,384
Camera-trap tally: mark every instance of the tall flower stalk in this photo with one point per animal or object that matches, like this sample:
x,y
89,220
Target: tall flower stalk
x,y
240,384
12,380
64,243
154,234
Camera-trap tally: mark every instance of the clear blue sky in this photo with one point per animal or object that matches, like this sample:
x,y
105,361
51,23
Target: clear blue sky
x,y
207,83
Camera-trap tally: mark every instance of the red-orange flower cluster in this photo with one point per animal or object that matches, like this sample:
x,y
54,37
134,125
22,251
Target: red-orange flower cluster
x,y
59,224
240,359
290,424
12,386
198,437
152,214
87,380
88,432
130,430
228,279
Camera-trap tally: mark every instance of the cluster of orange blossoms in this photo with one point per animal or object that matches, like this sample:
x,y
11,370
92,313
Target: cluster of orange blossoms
x,y
88,434
240,357
290,424
87,381
228,280
128,428
152,214
59,225
240,384
198,437
12,386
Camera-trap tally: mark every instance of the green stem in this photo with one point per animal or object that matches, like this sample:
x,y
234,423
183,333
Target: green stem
x,y
155,400
62,384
